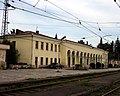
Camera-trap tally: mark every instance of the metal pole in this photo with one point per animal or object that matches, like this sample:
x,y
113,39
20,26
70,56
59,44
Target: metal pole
x,y
4,28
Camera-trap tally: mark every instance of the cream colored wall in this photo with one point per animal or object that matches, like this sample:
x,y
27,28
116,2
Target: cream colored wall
x,y
72,46
63,54
28,52
44,53
2,55
3,49
23,45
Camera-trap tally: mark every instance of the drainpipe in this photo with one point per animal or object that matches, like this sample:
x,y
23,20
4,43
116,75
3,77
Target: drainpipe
x,y
31,49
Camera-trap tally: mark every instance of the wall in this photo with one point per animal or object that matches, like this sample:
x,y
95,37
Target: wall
x,y
3,49
26,44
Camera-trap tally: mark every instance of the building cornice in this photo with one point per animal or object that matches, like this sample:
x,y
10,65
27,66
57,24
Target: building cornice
x,y
83,45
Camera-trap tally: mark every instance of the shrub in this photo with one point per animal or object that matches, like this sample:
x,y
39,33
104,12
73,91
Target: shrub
x,y
98,65
92,65
110,66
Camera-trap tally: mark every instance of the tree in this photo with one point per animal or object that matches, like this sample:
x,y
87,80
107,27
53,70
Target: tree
x,y
12,55
117,49
113,49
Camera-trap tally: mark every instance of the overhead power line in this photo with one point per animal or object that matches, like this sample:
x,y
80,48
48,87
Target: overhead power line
x,y
117,3
37,3
50,13
42,14
62,9
98,29
71,22
38,8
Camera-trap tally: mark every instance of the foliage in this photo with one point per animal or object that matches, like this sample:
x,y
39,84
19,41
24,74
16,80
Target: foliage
x,y
112,48
77,67
98,65
92,65
110,66
12,55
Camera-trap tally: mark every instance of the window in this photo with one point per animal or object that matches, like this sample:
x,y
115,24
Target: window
x,y
42,45
51,47
36,60
36,44
59,60
46,61
51,60
59,48
55,60
41,62
46,46
55,48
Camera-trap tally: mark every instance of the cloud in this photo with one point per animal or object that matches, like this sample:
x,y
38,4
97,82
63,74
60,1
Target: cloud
x,y
87,10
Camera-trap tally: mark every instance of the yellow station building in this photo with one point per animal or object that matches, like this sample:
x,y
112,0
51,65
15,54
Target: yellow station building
x,y
40,50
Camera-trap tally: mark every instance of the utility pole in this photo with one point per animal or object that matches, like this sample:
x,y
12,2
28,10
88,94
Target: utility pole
x,y
5,22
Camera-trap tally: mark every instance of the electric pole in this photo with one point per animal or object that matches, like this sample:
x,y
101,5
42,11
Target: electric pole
x,y
5,22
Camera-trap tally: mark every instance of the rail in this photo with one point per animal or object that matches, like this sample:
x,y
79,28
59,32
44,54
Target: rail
x,y
111,91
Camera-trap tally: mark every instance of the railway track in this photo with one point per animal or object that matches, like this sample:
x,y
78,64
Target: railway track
x,y
113,92
112,89
33,86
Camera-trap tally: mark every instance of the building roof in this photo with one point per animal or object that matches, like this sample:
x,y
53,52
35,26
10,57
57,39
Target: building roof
x,y
24,33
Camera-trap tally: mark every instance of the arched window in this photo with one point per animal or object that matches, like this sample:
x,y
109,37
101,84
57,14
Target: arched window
x,y
73,58
68,56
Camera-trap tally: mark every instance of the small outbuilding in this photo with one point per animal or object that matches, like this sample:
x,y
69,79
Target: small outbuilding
x,y
3,49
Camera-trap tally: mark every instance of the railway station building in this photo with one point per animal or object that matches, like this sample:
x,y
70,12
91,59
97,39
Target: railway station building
x,y
3,49
39,50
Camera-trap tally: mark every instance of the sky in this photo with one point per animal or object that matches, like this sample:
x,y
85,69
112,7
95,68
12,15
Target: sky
x,y
75,19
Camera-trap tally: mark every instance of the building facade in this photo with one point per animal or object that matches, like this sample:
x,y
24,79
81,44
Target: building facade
x,y
40,50
3,49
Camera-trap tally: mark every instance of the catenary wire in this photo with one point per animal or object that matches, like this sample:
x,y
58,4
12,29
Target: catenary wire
x,y
38,8
68,13
54,18
64,11
74,16
42,15
37,3
50,13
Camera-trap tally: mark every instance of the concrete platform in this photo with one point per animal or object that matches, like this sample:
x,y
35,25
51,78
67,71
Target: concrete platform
x,y
22,74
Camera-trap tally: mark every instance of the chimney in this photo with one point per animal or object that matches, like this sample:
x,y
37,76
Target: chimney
x,y
19,32
37,31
